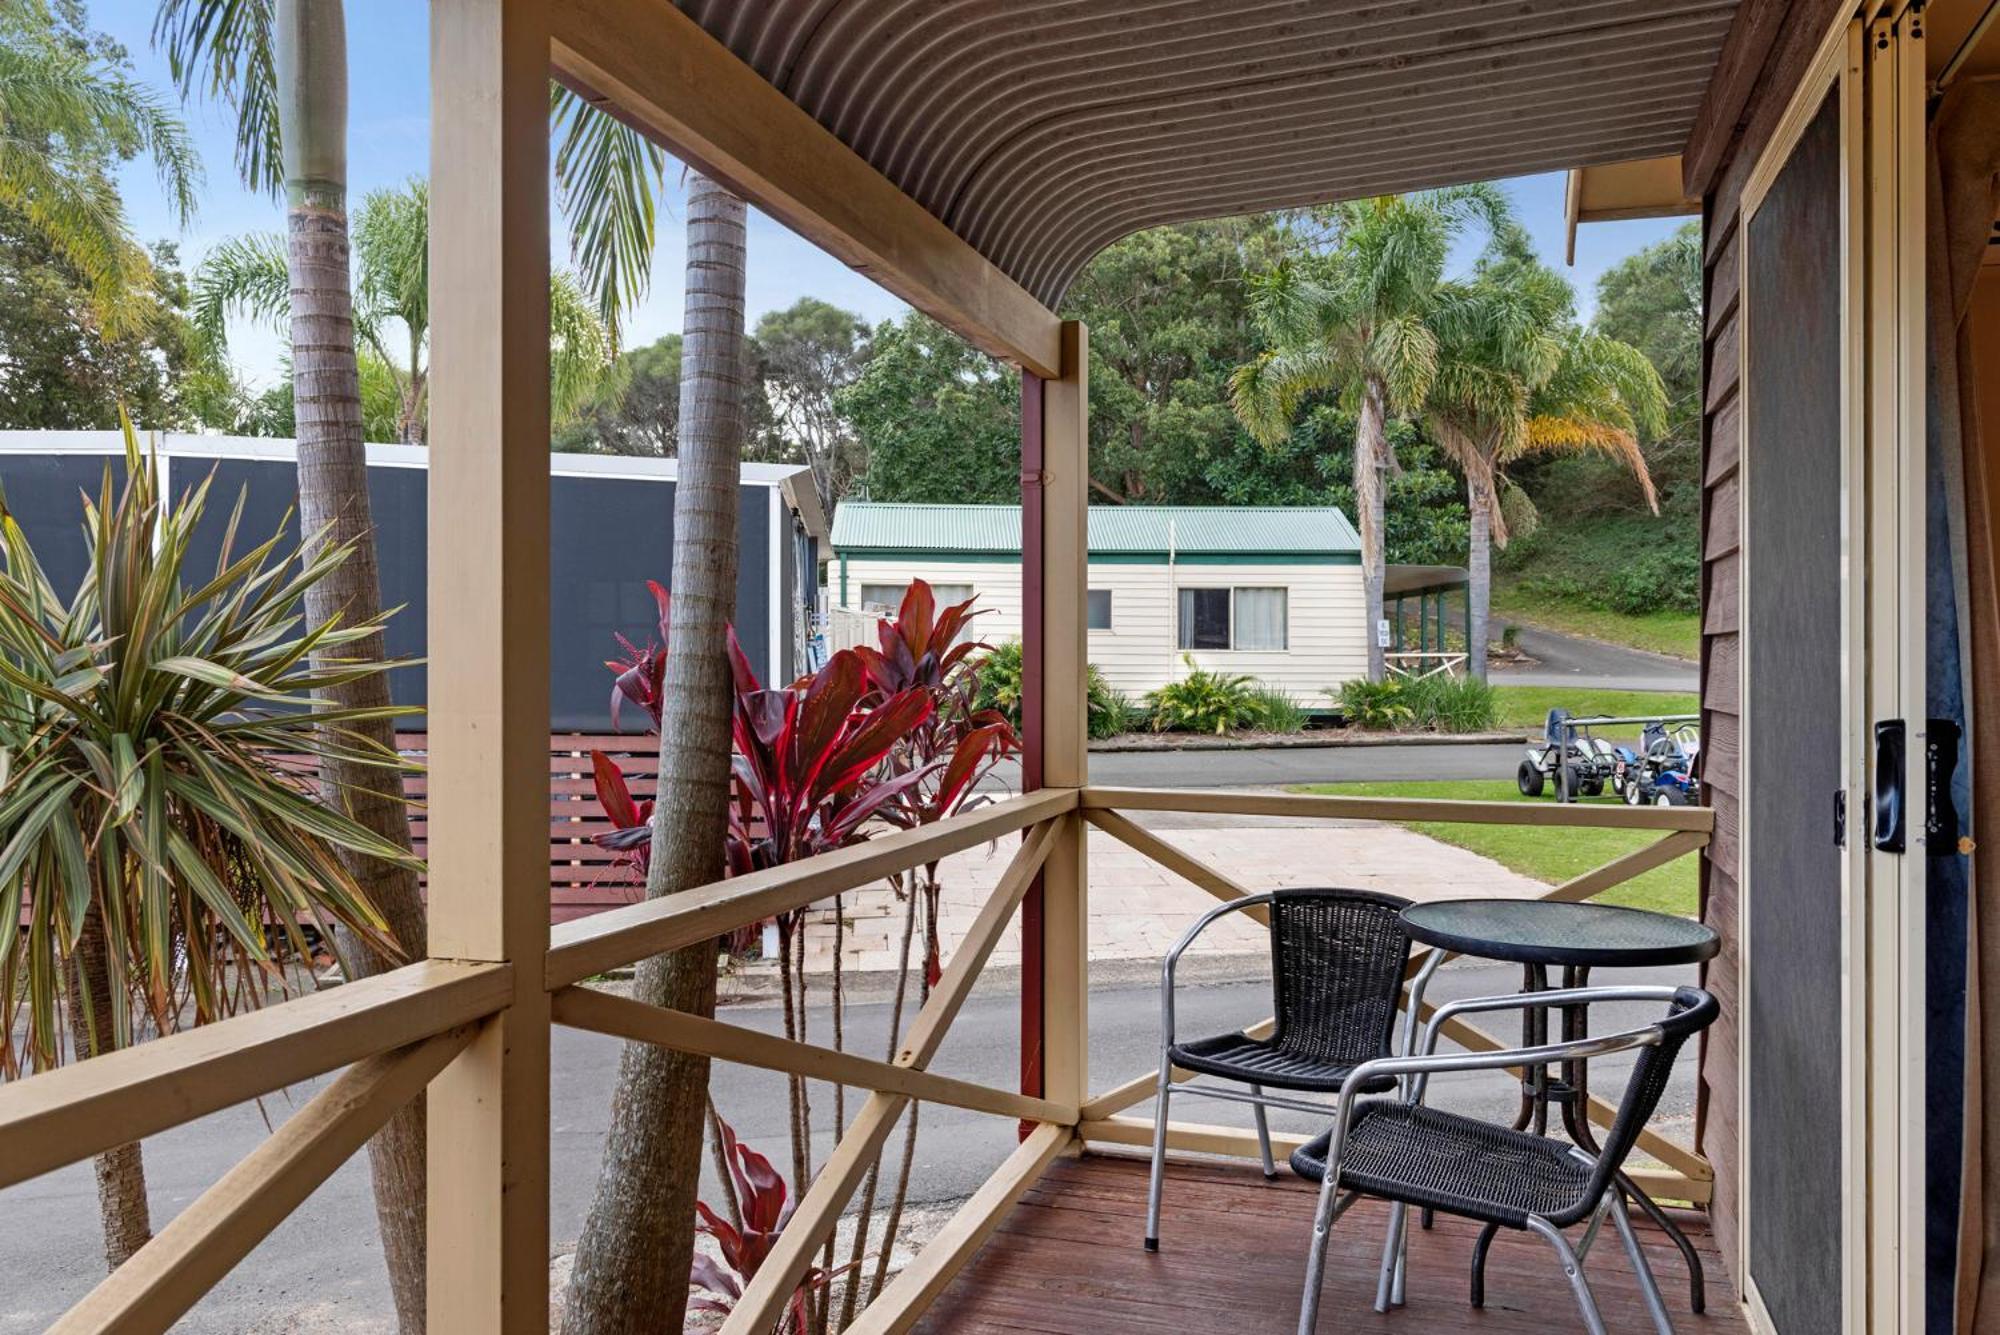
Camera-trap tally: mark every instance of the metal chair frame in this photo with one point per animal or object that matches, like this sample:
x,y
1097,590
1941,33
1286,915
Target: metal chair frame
x,y
1414,1069
1255,1097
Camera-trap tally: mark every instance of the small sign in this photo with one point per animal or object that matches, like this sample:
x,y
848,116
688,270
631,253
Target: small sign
x,y
1382,633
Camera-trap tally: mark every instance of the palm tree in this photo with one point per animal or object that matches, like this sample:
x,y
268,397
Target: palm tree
x,y
66,116
632,1261
250,274
281,65
1353,319
1517,376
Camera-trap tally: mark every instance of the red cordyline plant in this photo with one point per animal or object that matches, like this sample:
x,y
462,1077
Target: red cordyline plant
x,y
763,1204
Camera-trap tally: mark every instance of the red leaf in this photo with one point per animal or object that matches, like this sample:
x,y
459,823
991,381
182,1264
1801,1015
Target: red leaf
x,y
612,793
916,616
664,601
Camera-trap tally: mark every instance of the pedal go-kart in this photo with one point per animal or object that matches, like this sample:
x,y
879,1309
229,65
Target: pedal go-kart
x,y
1568,757
1665,772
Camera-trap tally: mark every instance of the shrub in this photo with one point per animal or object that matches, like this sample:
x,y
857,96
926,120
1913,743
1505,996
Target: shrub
x,y
1451,704
1109,712
1276,710
1204,701
1373,704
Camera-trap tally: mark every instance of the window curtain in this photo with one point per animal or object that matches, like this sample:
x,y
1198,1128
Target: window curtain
x,y
1260,619
1964,656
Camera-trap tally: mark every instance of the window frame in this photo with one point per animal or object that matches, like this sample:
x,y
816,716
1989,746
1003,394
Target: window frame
x,y
1110,625
1232,590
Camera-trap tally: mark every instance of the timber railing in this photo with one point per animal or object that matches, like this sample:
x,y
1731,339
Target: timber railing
x,y
395,1032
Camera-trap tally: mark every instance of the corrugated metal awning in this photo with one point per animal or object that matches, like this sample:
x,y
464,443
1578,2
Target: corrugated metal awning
x,y
1138,530
1042,130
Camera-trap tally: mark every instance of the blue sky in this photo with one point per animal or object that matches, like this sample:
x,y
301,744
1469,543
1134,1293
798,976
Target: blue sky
x,y
389,142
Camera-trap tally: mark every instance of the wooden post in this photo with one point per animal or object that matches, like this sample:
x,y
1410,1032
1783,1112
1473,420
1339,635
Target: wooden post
x,y
1061,541
489,646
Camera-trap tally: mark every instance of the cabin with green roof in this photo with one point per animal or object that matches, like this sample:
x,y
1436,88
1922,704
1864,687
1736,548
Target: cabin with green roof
x,y
1274,593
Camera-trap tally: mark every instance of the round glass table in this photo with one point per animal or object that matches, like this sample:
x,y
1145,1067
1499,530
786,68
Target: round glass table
x,y
1540,934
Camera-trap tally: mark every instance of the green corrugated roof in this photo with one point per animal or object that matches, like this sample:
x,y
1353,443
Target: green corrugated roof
x,y
1114,529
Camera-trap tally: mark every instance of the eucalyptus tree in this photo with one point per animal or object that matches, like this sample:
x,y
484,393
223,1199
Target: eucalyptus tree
x,y
281,66
70,113
1518,376
250,275
1352,318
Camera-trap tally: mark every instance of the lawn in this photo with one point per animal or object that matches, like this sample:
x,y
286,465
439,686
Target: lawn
x,y
1546,854
1528,706
1665,632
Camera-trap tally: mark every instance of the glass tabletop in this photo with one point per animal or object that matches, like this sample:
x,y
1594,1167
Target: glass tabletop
x,y
1541,931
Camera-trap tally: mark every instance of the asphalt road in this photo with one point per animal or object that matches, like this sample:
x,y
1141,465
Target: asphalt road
x,y
1565,660
321,1269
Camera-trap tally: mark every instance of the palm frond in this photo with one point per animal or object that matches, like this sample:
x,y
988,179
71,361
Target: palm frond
x,y
247,275
222,49
608,177
580,347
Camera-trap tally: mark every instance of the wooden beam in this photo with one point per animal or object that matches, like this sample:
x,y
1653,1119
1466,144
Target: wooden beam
x,y
1570,815
169,1275
1180,863
656,68
615,938
954,985
1064,653
903,1303
66,1115
1202,1138
621,1017
488,1257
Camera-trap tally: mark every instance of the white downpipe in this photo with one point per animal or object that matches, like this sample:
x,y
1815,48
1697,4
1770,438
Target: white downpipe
x,y
1173,600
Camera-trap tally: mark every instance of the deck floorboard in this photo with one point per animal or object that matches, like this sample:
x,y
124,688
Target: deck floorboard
x,y
1067,1261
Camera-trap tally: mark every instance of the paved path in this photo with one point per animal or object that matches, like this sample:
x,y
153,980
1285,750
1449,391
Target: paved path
x,y
1277,767
321,1272
1568,660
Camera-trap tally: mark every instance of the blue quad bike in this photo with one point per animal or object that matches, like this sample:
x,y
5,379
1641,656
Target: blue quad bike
x,y
1665,770
1569,758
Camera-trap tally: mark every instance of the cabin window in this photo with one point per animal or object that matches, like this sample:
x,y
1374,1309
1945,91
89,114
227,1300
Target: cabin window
x,y
1098,614
1248,619
889,597
1204,619
1260,619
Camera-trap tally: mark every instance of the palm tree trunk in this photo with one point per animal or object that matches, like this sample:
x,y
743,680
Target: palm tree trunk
x,y
121,1172
311,41
632,1261
1370,447
1479,570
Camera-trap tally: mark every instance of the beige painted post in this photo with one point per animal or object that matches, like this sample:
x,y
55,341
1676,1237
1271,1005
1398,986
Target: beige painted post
x,y
489,665
1065,889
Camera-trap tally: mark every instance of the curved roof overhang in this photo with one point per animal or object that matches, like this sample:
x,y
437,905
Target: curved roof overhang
x,y
1037,132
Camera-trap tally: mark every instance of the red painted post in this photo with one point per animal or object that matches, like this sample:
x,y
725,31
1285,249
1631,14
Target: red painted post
x,y
1032,716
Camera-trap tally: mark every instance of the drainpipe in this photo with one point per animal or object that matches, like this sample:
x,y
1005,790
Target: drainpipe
x,y
1173,600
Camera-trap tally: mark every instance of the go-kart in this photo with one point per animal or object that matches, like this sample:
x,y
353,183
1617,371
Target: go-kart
x,y
1665,773
1569,757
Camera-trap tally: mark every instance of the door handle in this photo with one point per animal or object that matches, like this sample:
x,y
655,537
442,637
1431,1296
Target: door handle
x,y
1890,809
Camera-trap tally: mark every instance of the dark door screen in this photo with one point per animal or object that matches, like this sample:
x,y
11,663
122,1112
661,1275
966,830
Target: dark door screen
x,y
1793,463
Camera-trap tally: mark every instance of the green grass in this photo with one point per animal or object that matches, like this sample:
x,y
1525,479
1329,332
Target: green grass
x,y
1545,853
1666,632
1528,706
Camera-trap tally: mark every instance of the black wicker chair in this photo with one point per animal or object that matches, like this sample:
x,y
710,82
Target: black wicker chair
x,y
1412,1155
1337,964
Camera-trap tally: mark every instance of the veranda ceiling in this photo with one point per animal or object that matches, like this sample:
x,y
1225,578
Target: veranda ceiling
x,y
1042,130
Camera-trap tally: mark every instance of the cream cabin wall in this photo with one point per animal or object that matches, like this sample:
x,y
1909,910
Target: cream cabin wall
x,y
1137,654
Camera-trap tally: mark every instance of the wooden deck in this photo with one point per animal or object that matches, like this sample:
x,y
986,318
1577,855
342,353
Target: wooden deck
x,y
1068,1261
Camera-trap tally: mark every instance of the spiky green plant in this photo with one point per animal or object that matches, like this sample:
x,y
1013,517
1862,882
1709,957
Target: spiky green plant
x,y
1204,701
157,738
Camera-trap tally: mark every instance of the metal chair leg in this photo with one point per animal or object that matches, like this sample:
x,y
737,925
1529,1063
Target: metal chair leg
x,y
1479,1247
1392,1257
1591,1230
1159,1174
1593,1322
1263,1133
1648,1286
1325,1214
1697,1281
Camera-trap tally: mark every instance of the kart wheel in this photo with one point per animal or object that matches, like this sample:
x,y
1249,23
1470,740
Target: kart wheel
x,y
1528,779
1591,788
1633,797
1565,788
1668,797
